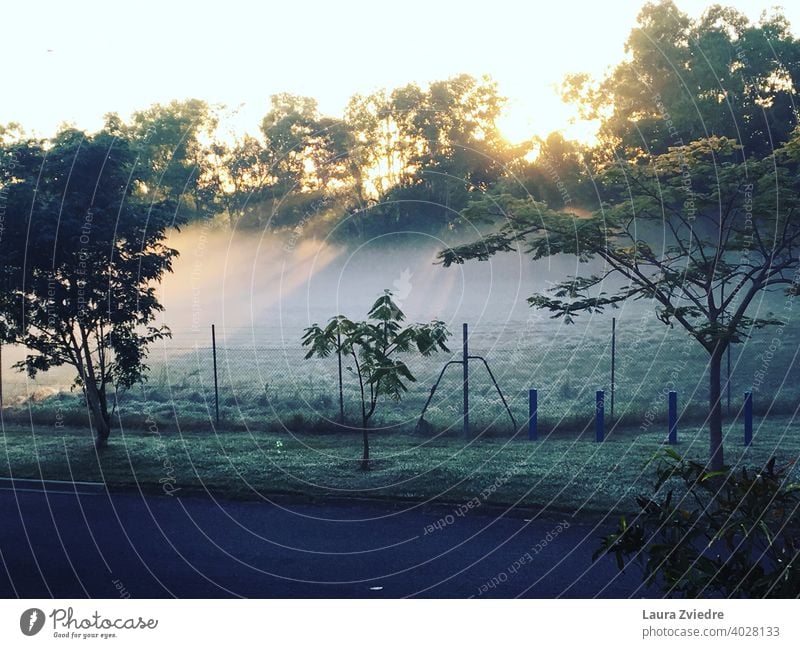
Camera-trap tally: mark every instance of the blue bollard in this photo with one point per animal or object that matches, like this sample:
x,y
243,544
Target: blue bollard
x,y
599,416
533,414
748,418
673,418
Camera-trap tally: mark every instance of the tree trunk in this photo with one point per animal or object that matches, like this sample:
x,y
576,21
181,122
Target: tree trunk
x,y
716,457
100,417
341,390
365,455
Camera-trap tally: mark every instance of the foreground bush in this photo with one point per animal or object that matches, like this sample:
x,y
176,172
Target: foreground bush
x,y
724,533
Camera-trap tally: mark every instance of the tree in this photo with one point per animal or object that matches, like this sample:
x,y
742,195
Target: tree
x,y
237,175
80,254
426,150
374,345
700,251
170,142
720,75
559,175
305,150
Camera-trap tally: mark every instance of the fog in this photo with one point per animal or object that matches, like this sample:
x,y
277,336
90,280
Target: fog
x,y
263,289
267,287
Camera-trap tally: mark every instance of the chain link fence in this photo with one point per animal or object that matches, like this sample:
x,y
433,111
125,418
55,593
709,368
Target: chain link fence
x,y
264,381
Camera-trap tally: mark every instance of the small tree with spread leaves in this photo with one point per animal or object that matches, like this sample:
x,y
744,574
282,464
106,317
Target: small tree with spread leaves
x,y
698,231
374,346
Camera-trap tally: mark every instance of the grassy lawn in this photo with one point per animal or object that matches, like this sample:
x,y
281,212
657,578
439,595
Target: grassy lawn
x,y
564,472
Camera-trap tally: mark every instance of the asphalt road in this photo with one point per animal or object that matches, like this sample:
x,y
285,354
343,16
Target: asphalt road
x,y
101,545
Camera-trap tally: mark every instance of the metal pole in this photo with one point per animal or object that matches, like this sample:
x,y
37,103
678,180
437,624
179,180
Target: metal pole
x,y
673,418
216,385
728,370
729,379
533,414
1,375
466,380
341,394
613,361
1,381
599,416
748,418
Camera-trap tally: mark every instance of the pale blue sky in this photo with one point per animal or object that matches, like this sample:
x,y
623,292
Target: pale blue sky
x,y
75,61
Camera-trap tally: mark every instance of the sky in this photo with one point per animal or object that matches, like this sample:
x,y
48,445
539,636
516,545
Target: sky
x,y
75,61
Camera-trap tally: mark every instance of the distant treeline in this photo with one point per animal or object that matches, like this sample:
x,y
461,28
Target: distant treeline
x,y
414,158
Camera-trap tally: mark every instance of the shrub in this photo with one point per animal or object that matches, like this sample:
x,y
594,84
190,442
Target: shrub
x,y
723,533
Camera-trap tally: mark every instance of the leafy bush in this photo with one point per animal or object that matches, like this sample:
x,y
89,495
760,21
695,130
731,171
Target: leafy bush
x,y
724,533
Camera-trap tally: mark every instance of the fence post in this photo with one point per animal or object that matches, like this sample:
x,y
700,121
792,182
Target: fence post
x,y
728,353
728,378
533,414
673,418
216,385
748,418
613,361
341,392
465,332
1,381
599,416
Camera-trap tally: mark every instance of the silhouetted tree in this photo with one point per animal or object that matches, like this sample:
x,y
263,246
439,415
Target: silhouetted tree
x,y
720,75
81,251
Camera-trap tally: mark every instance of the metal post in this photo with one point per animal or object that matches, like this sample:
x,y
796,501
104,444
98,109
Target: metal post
x,y
728,388
599,416
673,418
748,418
728,369
216,385
533,414
466,381
341,393
613,361
1,381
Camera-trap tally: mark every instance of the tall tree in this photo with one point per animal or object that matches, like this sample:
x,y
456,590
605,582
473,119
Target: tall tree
x,y
172,142
425,150
685,79
80,253
560,174
702,254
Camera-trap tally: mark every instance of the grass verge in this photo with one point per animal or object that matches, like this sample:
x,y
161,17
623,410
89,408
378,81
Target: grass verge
x,y
560,472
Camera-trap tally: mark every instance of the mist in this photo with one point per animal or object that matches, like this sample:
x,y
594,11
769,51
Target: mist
x,y
268,287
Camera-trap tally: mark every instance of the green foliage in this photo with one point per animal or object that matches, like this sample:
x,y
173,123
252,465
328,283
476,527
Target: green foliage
x,y
560,175
169,143
81,253
697,231
719,75
374,345
714,533
423,151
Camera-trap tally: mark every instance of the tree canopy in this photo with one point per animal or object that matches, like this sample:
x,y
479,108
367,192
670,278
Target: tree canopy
x,y
81,249
701,253
720,75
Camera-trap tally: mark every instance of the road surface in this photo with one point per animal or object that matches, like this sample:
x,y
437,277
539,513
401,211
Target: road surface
x,y
103,545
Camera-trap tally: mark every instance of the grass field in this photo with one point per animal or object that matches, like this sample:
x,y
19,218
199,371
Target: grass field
x,y
269,379
563,471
